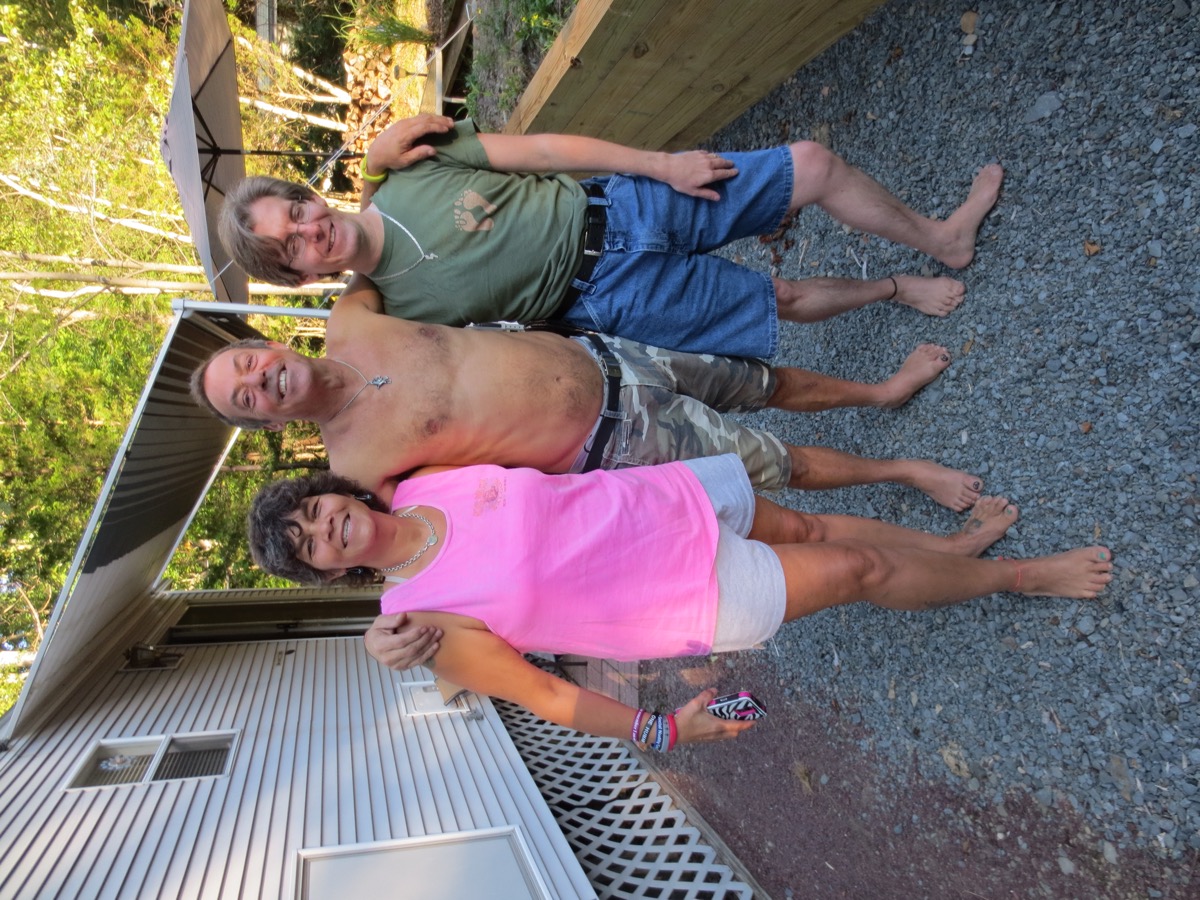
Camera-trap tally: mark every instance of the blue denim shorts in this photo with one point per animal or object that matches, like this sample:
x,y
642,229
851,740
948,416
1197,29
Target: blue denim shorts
x,y
655,281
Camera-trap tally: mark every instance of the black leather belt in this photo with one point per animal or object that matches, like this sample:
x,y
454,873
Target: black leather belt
x,y
609,415
594,220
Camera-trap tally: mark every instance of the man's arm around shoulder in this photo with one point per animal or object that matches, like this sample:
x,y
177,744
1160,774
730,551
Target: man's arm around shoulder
x,y
357,303
399,146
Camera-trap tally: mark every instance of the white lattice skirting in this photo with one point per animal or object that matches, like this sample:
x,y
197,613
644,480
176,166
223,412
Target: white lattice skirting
x,y
625,830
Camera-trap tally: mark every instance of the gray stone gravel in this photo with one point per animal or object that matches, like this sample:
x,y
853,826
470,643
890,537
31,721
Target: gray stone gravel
x,y
1073,392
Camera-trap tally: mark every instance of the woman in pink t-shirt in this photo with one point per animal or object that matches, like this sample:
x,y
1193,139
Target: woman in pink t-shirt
x,y
674,560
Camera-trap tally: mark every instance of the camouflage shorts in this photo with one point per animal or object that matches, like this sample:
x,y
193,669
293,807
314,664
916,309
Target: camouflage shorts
x,y
672,405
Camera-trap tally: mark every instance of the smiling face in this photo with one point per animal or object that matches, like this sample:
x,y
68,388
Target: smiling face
x,y
333,532
271,385
317,240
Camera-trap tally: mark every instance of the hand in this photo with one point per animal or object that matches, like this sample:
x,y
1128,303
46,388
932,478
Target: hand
x,y
396,146
400,645
690,172
695,723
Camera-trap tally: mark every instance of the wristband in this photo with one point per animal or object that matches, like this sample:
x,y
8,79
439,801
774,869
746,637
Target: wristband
x,y
637,723
367,176
660,739
645,734
674,732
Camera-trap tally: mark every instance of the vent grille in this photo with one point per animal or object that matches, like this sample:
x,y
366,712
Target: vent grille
x,y
162,758
191,764
118,768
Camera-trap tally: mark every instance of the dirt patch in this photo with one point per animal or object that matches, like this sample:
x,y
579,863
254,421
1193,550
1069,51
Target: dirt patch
x,y
811,813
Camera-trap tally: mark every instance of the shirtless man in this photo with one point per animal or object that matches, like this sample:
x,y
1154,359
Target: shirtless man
x,y
391,395
454,230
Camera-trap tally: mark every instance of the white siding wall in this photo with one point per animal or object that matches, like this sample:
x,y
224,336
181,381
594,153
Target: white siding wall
x,y
325,756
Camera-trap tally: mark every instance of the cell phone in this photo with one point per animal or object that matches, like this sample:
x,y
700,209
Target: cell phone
x,y
740,706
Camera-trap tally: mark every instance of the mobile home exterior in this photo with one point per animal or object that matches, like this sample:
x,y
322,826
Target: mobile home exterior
x,y
288,767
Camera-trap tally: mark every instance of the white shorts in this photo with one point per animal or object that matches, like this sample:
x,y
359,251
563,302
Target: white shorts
x,y
751,591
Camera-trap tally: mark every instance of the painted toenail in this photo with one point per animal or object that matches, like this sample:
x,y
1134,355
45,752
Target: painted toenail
x,y
975,485
945,358
1103,555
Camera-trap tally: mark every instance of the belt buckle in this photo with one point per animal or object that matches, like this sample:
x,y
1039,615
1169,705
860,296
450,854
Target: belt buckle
x,y
593,231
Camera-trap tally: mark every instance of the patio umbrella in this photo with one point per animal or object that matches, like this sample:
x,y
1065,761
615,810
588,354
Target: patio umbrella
x,y
202,137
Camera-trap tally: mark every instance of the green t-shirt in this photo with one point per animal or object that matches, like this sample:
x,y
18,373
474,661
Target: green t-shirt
x,y
469,244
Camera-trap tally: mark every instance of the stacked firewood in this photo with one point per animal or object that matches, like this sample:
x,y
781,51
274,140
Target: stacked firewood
x,y
369,81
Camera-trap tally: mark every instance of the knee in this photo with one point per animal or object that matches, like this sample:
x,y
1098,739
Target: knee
x,y
812,160
808,529
800,467
872,568
789,297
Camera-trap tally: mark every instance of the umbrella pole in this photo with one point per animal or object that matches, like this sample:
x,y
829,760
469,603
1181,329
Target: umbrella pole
x,y
217,152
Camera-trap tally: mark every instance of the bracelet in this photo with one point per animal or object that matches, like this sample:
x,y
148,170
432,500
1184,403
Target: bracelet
x,y
645,734
660,736
367,176
637,723
674,732
895,286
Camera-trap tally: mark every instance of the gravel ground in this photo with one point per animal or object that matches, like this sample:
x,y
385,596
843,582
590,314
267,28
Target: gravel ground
x,y
1066,733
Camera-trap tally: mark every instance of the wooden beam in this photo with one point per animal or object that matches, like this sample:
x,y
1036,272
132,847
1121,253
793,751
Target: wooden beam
x,y
818,34
666,74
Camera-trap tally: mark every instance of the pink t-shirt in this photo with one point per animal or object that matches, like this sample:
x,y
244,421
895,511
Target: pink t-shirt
x,y
615,564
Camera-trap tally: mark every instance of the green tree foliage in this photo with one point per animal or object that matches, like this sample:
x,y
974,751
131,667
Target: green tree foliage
x,y
511,39
214,553
84,87
82,96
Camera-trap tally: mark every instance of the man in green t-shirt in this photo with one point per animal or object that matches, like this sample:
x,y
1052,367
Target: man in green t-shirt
x,y
454,229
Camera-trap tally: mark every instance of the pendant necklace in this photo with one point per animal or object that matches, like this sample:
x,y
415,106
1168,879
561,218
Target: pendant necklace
x,y
424,256
432,539
378,381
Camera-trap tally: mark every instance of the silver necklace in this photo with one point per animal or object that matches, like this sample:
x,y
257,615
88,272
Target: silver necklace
x,y
433,539
424,256
378,381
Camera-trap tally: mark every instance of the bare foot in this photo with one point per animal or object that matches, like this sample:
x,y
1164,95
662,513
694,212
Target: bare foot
x,y
990,520
932,296
949,487
963,224
923,365
1081,573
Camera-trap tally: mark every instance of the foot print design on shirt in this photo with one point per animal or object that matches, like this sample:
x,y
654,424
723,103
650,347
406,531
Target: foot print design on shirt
x,y
472,211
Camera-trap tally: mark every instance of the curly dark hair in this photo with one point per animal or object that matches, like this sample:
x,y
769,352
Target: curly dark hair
x,y
272,546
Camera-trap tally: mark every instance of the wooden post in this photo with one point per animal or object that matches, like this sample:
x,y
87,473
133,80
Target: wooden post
x,y
665,74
